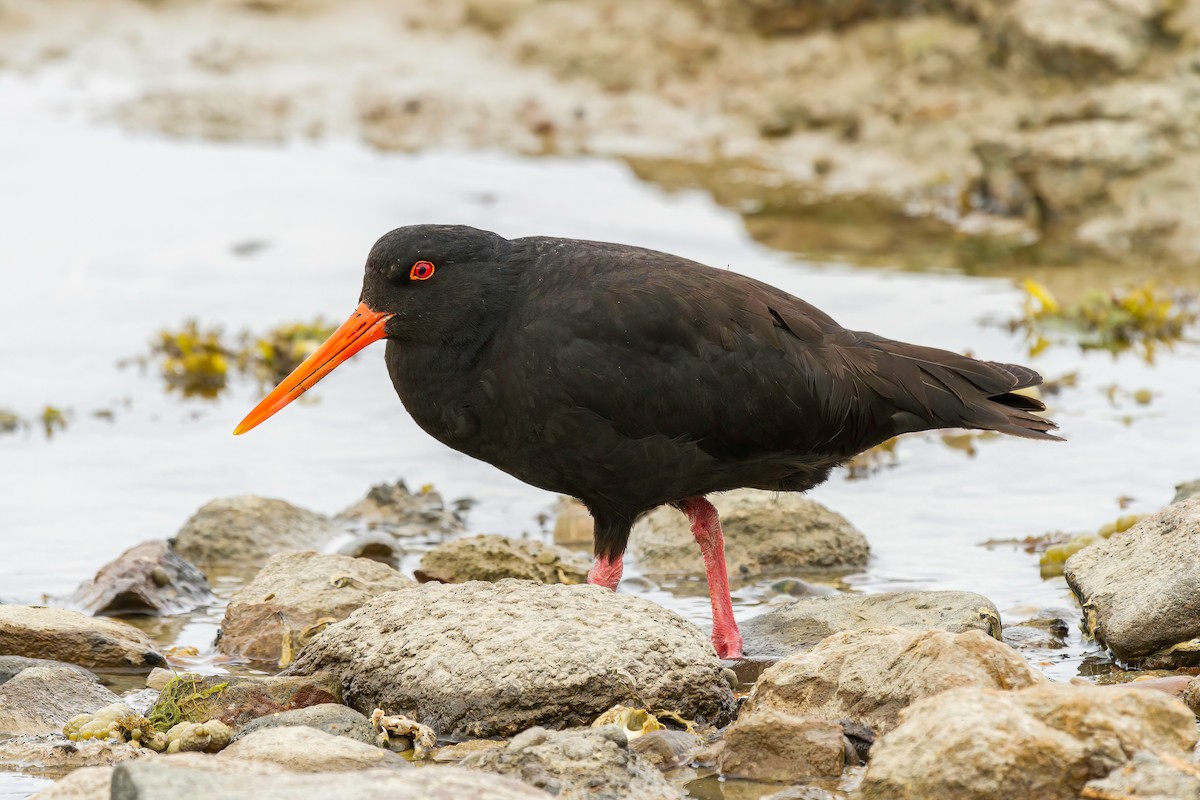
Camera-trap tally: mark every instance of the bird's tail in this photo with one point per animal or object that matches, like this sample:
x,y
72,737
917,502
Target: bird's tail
x,y
939,389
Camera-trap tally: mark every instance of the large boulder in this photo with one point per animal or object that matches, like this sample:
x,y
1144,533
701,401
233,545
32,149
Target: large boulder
x,y
392,508
771,745
150,578
63,635
332,718
765,532
304,749
801,625
1046,741
871,675
236,700
579,764
42,699
493,659
1140,589
296,595
230,779
239,534
488,557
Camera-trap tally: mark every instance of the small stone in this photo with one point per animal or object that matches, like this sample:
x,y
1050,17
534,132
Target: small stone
x,y
573,525
771,745
489,557
159,678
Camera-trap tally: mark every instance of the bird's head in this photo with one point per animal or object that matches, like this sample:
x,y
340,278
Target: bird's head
x,y
423,284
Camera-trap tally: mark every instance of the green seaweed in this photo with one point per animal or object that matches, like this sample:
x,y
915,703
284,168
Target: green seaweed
x,y
182,700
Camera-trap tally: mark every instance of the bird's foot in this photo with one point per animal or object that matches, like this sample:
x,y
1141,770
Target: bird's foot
x,y
727,643
606,572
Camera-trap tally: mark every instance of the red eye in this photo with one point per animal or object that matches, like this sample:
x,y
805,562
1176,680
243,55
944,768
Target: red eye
x,y
421,271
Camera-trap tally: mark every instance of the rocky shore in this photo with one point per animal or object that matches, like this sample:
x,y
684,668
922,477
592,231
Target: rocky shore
x,y
506,678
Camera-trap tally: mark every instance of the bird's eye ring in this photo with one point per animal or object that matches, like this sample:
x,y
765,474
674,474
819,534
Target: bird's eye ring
x,y
421,271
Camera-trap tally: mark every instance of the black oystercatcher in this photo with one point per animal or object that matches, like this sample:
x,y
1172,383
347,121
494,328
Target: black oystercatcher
x,y
630,378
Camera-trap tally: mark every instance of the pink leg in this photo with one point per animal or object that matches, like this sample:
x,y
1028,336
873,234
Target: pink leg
x,y
706,527
605,572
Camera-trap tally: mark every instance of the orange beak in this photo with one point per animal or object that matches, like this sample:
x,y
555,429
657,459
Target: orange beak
x,y
363,327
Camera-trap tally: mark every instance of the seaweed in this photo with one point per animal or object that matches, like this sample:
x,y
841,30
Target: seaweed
x,y
182,700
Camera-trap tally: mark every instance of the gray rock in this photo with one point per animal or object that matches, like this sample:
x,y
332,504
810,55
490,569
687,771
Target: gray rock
x,y
765,532
579,764
87,783
667,749
391,507
239,534
492,659
1149,776
63,635
771,745
488,557
154,779
871,675
1186,491
53,755
296,595
1139,589
42,699
331,718
149,578
11,665
1046,742
801,625
305,749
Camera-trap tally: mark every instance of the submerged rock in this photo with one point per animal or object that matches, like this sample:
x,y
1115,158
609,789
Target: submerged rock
x,y
1046,741
332,718
294,597
492,659
233,779
765,532
771,745
150,578
1139,589
488,557
62,635
802,624
871,675
305,749
579,764
237,534
391,507
43,699
235,700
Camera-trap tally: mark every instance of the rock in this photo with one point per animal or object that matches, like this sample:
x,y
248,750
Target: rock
x,y
238,700
489,557
396,510
517,654
667,749
154,779
764,532
1047,630
331,718
802,624
1048,740
777,17
159,678
573,525
11,665
771,745
579,764
1086,39
150,578
62,635
43,699
1148,776
1191,696
870,675
304,749
1186,491
54,755
198,737
237,534
375,545
1139,589
296,595
88,783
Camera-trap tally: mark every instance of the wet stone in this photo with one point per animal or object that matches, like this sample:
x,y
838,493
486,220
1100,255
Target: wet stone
x,y
43,699
488,557
801,625
521,654
62,635
771,745
235,700
53,755
11,665
306,749
150,578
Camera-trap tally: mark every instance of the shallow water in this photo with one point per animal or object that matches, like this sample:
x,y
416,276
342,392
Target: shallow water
x,y
109,237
